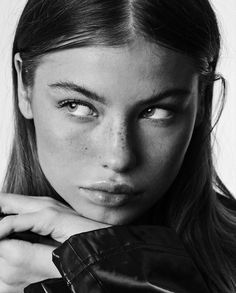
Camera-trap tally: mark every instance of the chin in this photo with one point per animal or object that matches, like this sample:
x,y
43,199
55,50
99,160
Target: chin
x,y
114,217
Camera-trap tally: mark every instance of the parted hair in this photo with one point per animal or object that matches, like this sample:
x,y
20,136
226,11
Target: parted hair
x,y
191,206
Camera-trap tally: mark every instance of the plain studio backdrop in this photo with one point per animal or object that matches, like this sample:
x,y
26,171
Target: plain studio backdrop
x,y
225,133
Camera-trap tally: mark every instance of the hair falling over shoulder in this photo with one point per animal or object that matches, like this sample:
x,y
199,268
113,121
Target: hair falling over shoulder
x,y
193,209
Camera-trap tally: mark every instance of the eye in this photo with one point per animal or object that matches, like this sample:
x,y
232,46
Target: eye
x,y
156,113
78,108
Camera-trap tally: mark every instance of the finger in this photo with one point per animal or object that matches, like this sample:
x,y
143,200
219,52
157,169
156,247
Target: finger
x,y
26,262
24,222
13,251
17,204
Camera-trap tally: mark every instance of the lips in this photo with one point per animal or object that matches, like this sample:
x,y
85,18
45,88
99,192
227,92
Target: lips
x,y
109,194
113,188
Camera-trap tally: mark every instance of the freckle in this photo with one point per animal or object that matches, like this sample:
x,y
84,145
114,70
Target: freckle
x,y
122,137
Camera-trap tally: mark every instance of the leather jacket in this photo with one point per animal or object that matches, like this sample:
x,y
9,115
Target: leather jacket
x,y
125,259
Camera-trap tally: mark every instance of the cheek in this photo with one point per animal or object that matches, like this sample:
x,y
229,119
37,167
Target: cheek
x,y
62,151
166,149
165,158
64,148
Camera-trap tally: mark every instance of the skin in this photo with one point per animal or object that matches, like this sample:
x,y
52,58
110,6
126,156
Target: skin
x,y
125,139
23,263
120,144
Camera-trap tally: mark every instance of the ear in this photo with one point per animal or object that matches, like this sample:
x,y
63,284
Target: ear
x,y
24,100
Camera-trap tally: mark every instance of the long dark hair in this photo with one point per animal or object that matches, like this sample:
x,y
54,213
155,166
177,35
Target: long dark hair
x,y
192,207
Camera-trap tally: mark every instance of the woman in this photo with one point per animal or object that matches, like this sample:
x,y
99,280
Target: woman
x,y
113,126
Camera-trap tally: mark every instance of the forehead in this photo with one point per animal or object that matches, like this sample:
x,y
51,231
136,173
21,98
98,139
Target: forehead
x,y
140,65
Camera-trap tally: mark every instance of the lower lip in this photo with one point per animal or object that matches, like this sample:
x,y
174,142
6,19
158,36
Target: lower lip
x,y
108,199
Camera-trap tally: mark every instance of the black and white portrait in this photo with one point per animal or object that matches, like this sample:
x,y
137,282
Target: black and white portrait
x,y
117,146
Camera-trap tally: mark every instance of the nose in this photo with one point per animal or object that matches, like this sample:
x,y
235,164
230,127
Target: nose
x,y
119,150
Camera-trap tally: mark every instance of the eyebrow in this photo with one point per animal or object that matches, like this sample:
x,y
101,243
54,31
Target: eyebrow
x,y
70,86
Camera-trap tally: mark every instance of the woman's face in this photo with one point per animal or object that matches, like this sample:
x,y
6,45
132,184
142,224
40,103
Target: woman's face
x,y
113,126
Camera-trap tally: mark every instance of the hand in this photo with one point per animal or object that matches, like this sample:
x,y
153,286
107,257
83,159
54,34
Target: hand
x,y
21,262
42,215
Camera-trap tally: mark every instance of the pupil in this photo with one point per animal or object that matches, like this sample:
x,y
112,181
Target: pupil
x,y
73,105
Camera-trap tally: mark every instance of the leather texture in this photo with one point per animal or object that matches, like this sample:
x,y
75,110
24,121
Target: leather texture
x,y
124,259
49,286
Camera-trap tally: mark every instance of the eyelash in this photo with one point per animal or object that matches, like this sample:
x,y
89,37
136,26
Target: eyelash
x,y
68,102
160,108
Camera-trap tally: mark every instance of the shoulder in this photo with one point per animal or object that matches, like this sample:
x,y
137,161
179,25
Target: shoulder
x,y
228,202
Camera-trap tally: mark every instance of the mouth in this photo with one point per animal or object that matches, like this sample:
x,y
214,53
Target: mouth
x,y
110,194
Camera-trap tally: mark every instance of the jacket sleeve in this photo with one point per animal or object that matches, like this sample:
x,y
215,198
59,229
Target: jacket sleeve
x,y
128,259
48,286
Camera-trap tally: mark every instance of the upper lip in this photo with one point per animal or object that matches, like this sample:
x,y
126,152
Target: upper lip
x,y
116,188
